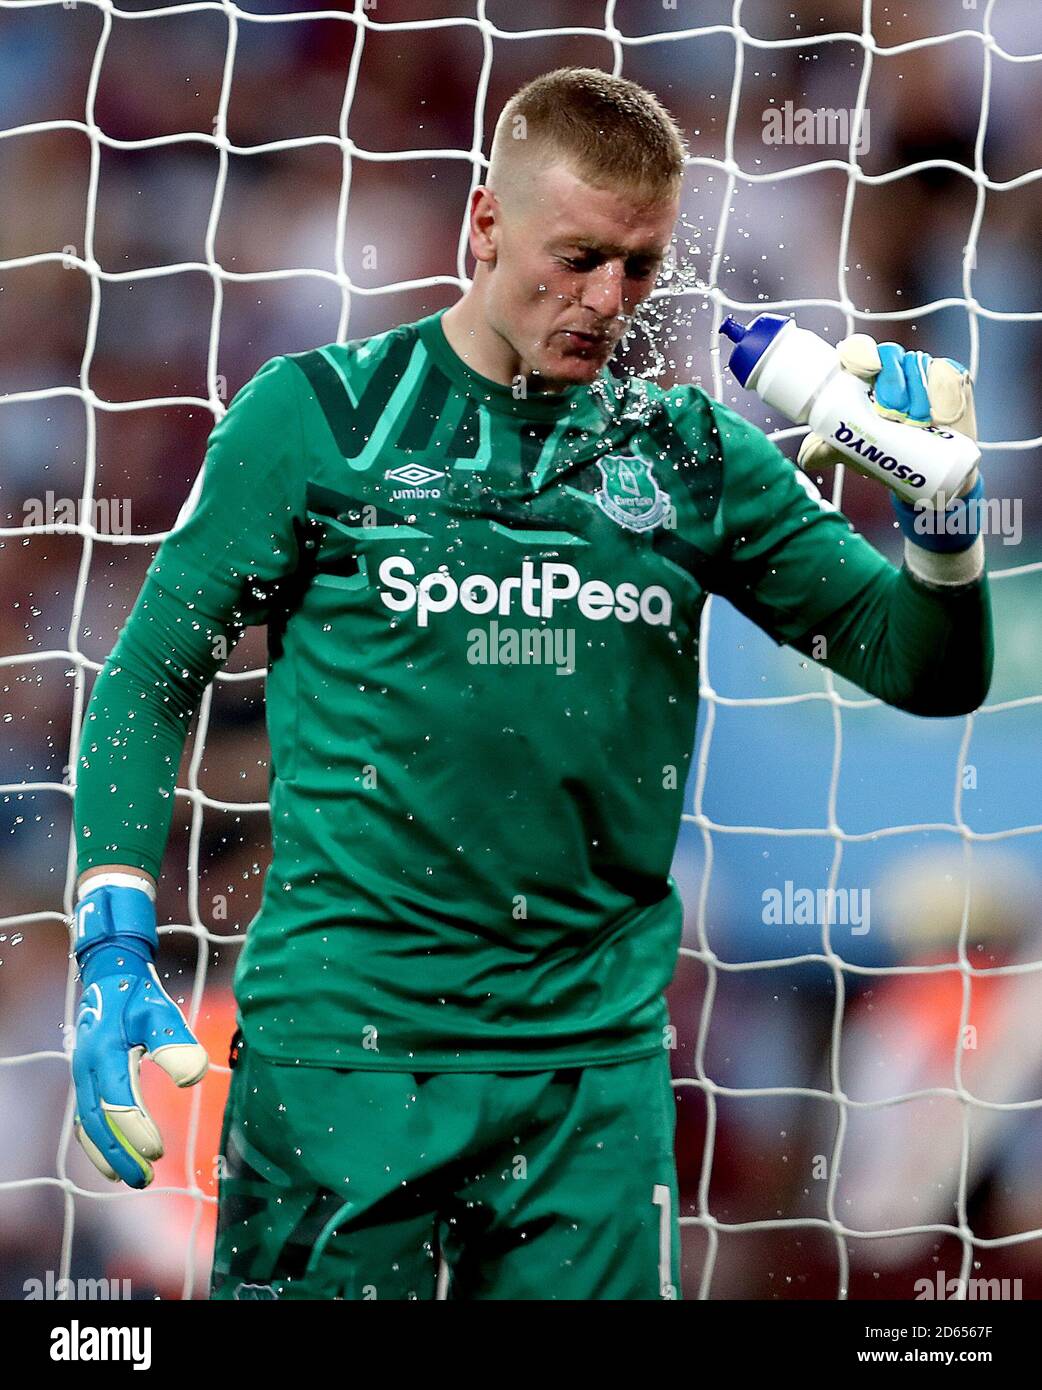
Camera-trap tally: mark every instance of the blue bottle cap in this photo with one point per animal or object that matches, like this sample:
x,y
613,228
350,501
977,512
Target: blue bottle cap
x,y
752,341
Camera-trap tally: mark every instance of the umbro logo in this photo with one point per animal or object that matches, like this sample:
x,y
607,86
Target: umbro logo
x,y
417,480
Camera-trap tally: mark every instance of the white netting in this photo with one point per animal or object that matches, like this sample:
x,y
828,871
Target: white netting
x,y
366,20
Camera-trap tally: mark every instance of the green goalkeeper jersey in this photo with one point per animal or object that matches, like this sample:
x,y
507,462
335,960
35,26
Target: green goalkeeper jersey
x,y
483,614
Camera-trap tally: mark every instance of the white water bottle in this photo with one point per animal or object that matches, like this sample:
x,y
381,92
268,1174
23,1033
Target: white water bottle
x,y
801,375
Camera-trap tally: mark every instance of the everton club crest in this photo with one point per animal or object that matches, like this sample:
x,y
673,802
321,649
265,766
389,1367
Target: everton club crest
x,y
629,493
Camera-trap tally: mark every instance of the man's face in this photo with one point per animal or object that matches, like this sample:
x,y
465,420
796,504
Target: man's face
x,y
571,264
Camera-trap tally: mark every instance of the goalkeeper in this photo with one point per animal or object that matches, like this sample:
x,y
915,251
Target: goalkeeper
x,y
482,559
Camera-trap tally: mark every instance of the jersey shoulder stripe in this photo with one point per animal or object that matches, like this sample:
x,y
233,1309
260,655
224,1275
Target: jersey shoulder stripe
x,y
354,383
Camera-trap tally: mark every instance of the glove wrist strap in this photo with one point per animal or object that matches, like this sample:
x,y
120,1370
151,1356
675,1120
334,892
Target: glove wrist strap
x,y
114,922
116,879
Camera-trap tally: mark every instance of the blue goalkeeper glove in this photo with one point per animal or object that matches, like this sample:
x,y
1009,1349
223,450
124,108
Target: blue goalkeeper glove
x,y
124,1012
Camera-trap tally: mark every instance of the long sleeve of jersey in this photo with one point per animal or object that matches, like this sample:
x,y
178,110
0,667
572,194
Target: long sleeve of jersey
x,y
241,531
924,649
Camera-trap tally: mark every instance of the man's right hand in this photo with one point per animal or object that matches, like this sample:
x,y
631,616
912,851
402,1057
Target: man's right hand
x,y
124,1012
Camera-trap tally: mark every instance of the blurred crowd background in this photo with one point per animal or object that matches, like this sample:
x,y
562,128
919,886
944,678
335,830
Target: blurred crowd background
x,y
767,1030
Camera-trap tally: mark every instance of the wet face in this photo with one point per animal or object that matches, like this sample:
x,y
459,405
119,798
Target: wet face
x,y
569,265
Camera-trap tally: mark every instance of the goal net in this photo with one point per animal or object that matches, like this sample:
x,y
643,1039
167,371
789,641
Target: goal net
x,y
192,188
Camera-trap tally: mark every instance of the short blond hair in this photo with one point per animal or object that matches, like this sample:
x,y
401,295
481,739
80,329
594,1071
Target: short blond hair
x,y
612,132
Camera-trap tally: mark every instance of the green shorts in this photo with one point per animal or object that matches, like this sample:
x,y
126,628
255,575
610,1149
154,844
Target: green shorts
x,y
365,1184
